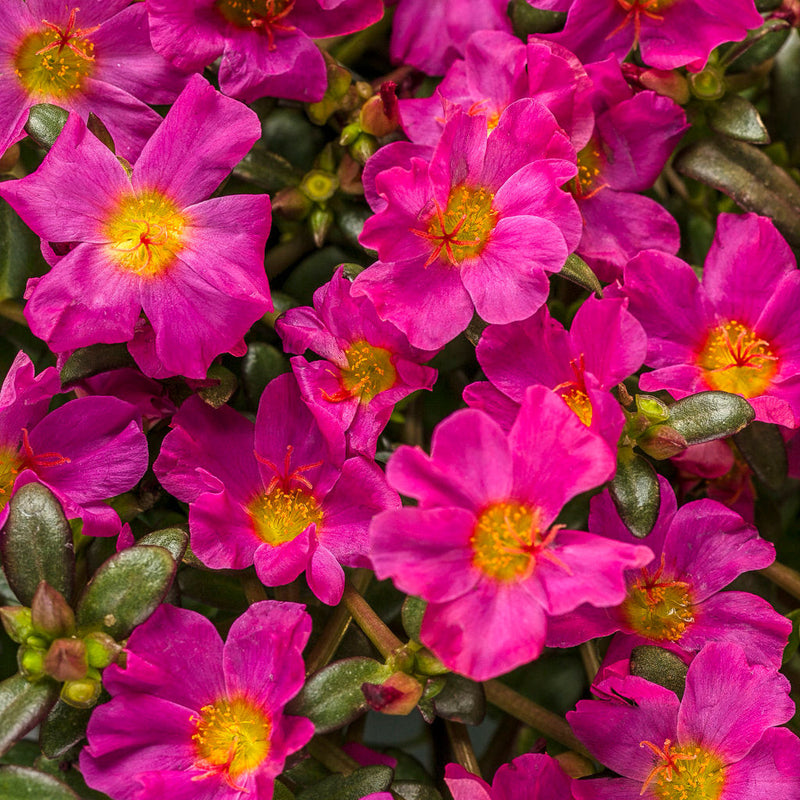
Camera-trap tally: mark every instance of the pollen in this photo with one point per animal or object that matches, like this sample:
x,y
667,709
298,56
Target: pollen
x,y
369,371
657,608
231,738
735,359
589,180
462,229
145,233
507,541
686,772
281,515
579,403
265,16
11,464
55,61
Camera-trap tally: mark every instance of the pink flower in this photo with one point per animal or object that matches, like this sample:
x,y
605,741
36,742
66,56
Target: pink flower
x,y
528,777
150,241
482,547
85,451
718,743
266,46
277,494
675,601
87,56
367,365
191,718
451,229
736,331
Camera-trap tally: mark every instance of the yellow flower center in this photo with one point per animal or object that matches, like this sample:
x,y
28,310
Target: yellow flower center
x,y
588,180
54,62
463,228
736,360
11,464
266,16
688,772
146,233
232,737
282,515
578,402
507,539
658,609
369,371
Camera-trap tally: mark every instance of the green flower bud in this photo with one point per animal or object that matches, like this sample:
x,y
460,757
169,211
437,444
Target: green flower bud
x,y
17,622
81,693
101,649
319,186
30,661
708,84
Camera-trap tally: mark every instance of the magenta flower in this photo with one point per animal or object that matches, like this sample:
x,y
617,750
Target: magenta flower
x,y
450,233
498,69
604,346
482,547
668,33
266,45
151,241
85,451
367,365
675,601
278,495
430,34
87,56
736,331
633,136
528,777
191,718
718,743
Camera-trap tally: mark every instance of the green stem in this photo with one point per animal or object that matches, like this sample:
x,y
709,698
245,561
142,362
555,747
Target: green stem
x,y
331,756
785,577
462,746
11,309
369,622
253,588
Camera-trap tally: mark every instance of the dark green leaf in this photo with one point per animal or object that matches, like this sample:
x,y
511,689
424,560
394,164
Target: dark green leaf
x,y
280,792
23,705
20,256
412,613
461,700
45,122
784,82
36,544
125,591
223,386
332,697
706,416
794,636
267,170
24,783
411,790
173,540
736,117
63,728
92,360
749,177
527,20
213,588
635,492
659,666
260,365
358,784
764,450
578,271
97,127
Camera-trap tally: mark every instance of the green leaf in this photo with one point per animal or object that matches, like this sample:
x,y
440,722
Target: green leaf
x,y
412,613
706,416
267,170
794,636
24,783
23,705
125,591
222,390
526,19
635,492
88,361
358,784
213,589
659,666
332,697
461,700
173,540
63,728
411,790
578,271
280,792
736,117
36,544
749,177
260,365
20,256
45,122
764,450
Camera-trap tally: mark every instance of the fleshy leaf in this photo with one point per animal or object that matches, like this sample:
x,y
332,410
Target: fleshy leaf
x,y
578,271
173,540
88,361
23,705
358,784
659,666
412,613
735,117
460,700
635,492
45,122
64,727
764,450
24,783
706,416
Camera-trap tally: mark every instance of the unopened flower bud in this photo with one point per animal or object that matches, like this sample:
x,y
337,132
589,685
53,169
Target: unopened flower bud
x,y
30,661
380,115
426,663
651,408
363,148
662,441
51,615
101,649
319,185
320,221
17,622
397,695
708,84
349,134
667,82
66,660
81,693
290,203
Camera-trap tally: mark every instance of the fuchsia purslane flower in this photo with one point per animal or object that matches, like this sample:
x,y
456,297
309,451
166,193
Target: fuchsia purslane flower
x,y
450,232
85,451
483,548
676,601
192,718
85,56
150,240
278,494
368,365
736,331
718,743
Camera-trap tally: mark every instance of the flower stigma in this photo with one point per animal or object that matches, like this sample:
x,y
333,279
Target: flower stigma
x,y
686,772
369,372
574,393
265,16
231,738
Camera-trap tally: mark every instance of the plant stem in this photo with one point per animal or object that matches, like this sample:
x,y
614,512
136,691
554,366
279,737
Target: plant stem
x,y
331,756
253,588
785,577
532,714
369,622
11,309
462,746
591,661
